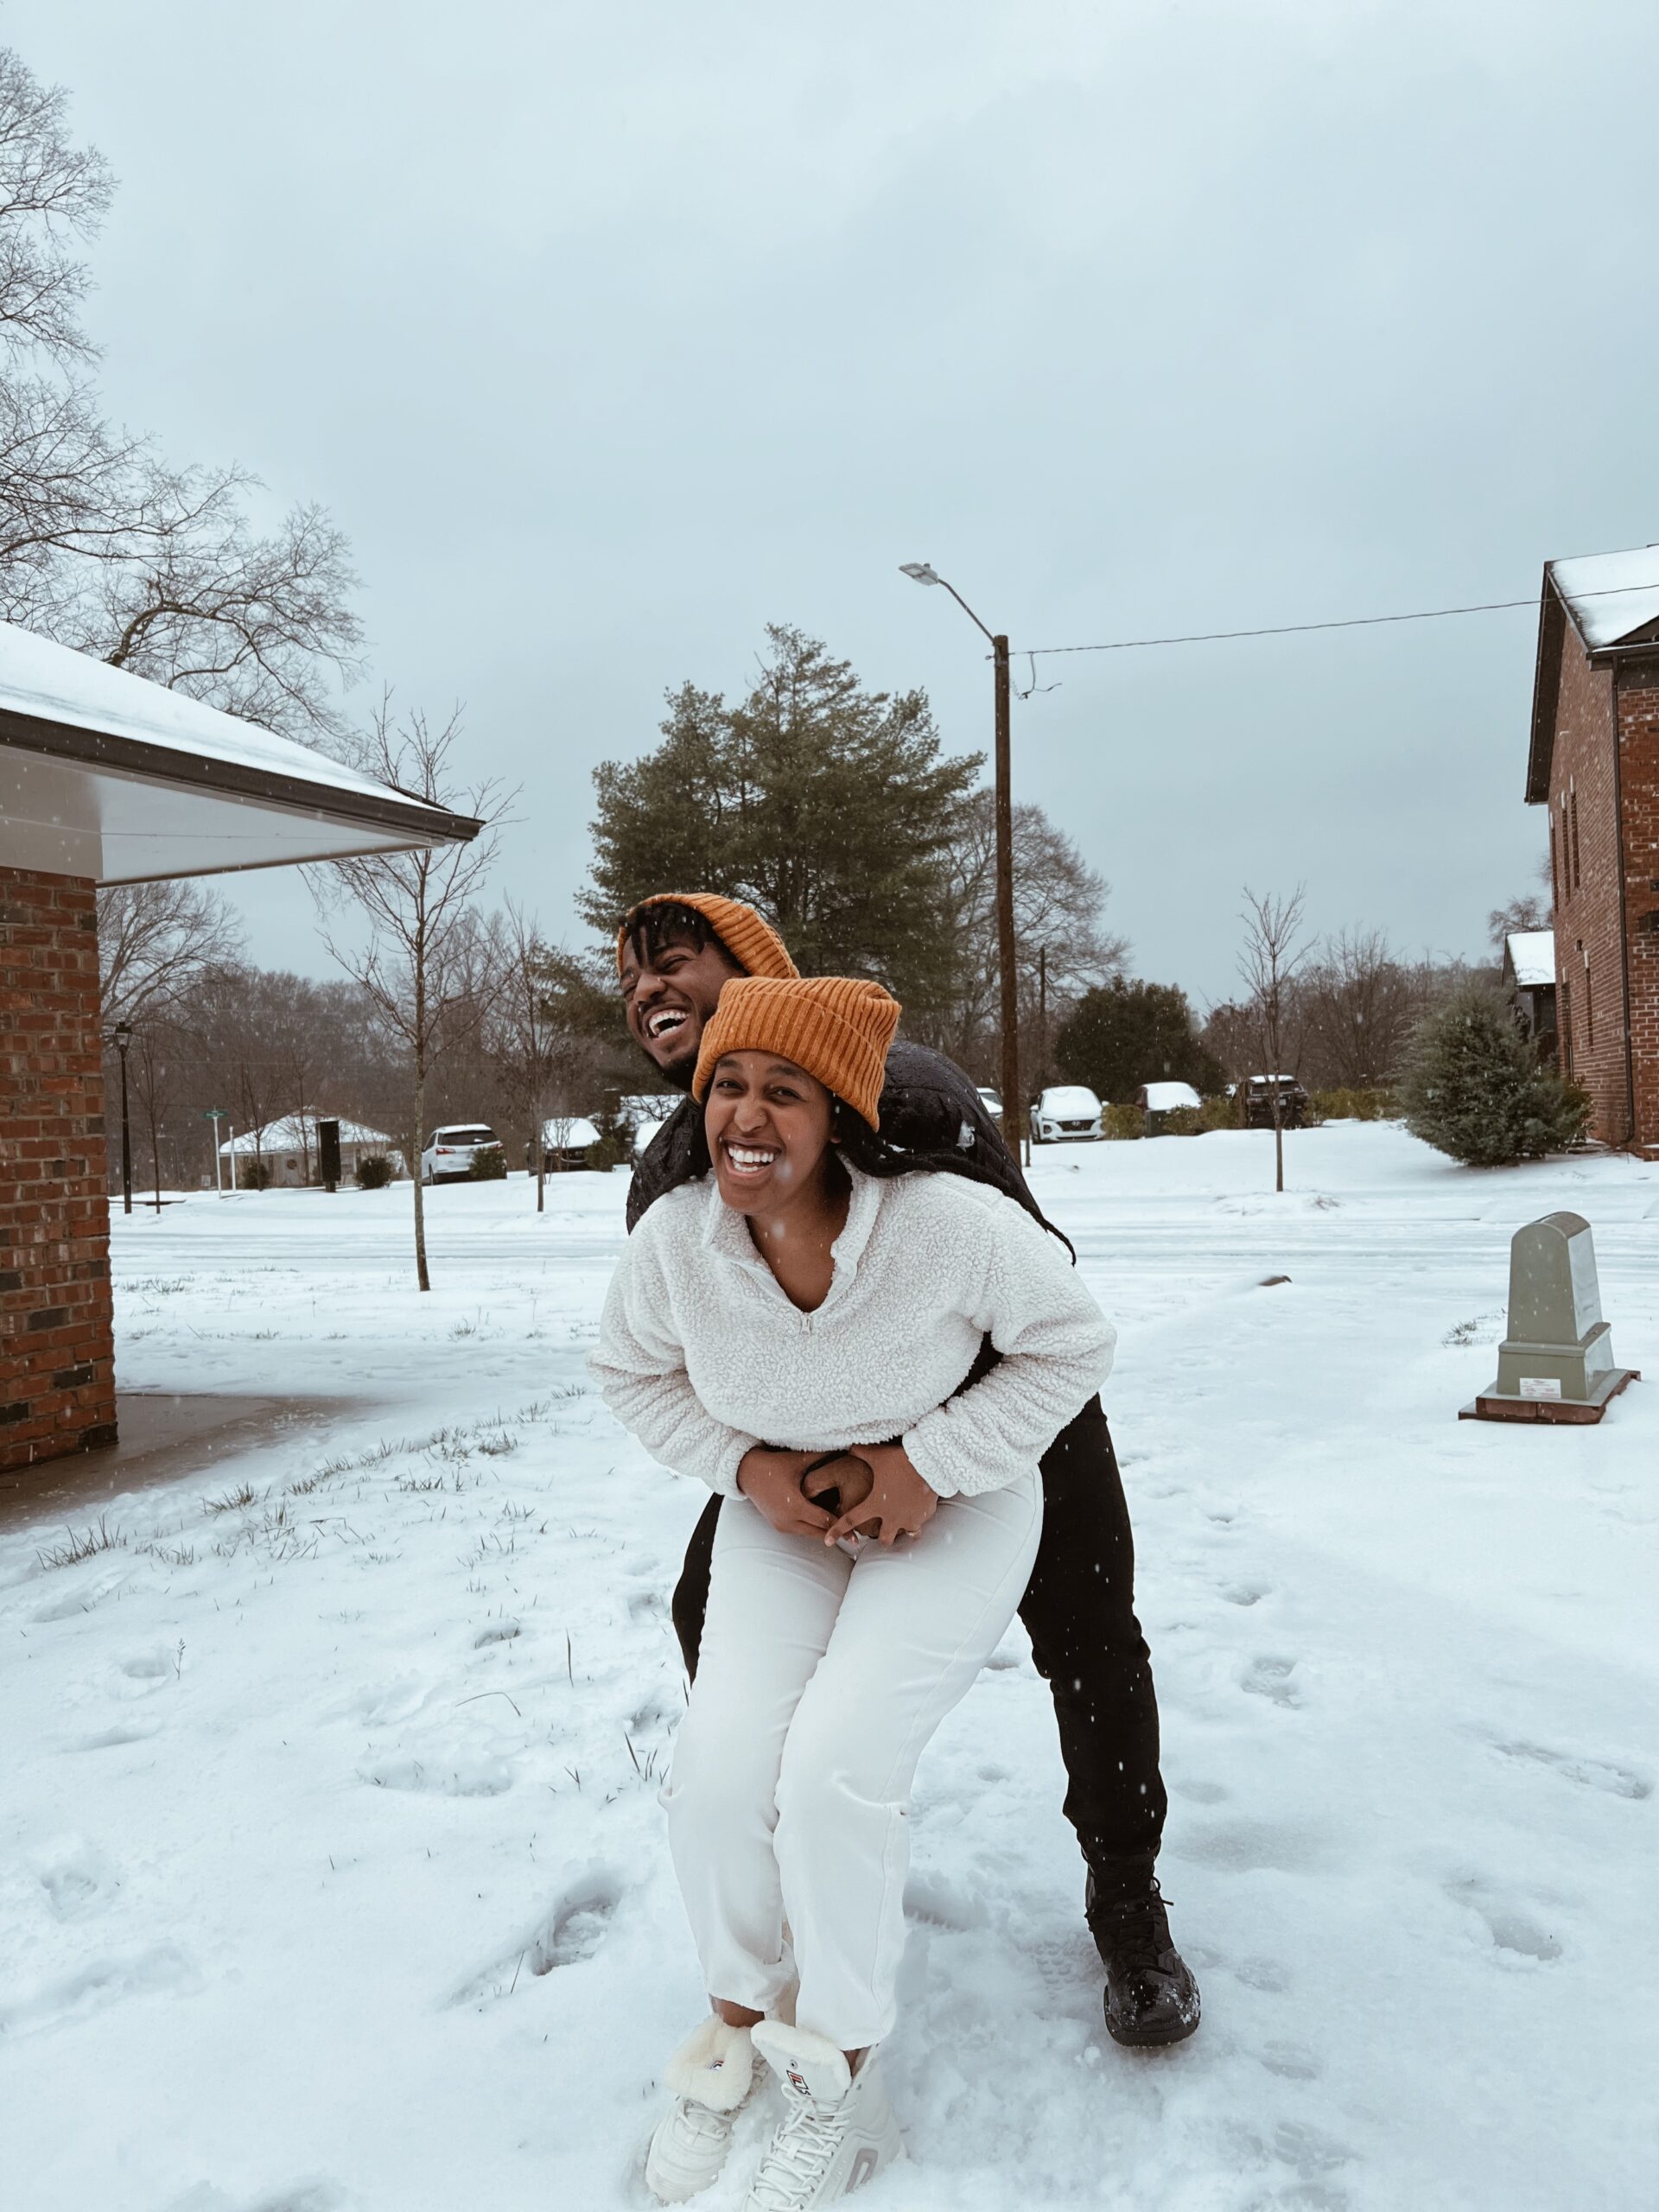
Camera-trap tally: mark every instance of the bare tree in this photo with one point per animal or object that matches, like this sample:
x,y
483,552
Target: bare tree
x,y
427,965
51,191
104,545
1274,949
1530,911
155,941
1058,900
535,1053
1356,1000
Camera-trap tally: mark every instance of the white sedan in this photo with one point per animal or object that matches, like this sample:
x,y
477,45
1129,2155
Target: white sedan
x,y
451,1151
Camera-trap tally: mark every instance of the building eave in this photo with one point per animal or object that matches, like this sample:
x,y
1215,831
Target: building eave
x,y
127,756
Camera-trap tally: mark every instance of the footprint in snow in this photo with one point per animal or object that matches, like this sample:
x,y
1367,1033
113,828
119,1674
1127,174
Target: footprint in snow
x,y
1291,2063
1592,1774
1269,1677
1511,1931
940,1904
573,1931
96,1987
76,1876
1246,1593
127,1732
497,1632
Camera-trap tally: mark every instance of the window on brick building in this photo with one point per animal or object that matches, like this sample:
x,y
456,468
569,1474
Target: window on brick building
x,y
1567,1023
1566,855
1577,876
1589,1004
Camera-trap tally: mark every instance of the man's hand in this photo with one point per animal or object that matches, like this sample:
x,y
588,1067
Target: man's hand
x,y
772,1482
900,1502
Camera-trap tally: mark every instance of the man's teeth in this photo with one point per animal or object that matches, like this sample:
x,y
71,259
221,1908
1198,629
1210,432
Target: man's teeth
x,y
660,1024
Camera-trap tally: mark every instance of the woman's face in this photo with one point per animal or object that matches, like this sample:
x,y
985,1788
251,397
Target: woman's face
x,y
767,1122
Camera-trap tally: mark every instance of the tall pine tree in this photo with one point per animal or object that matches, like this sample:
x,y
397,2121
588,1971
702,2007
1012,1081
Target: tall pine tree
x,y
831,808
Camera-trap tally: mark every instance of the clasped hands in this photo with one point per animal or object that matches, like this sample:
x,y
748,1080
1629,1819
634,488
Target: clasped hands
x,y
878,1493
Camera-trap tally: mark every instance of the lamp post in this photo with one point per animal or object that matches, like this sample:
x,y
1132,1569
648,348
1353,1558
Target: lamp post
x,y
1014,1112
122,1033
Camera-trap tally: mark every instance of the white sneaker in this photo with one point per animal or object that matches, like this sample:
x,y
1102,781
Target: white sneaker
x,y
709,2078
838,2130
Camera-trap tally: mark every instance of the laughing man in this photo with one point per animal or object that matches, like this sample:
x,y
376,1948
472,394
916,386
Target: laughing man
x,y
676,952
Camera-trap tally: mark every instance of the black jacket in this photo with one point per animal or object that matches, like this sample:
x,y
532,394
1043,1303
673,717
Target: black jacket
x,y
927,1105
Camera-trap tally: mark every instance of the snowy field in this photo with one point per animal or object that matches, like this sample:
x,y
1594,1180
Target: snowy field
x,y
332,1875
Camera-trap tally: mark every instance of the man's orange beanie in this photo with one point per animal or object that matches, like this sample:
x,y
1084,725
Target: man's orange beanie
x,y
753,944
837,1027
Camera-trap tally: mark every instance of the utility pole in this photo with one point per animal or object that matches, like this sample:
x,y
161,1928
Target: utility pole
x,y
1013,1108
123,1038
1013,1111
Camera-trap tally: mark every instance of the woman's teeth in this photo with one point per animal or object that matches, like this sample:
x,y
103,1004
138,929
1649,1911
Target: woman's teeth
x,y
749,1159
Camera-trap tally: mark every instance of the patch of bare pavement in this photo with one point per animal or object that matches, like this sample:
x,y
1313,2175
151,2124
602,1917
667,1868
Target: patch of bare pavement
x,y
164,1436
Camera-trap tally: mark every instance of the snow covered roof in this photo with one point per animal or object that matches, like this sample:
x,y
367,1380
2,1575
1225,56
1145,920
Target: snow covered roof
x,y
1163,1097
567,1133
105,774
1611,596
1532,957
1611,602
296,1133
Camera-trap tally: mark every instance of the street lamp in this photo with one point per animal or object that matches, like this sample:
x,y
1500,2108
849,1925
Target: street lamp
x,y
122,1033
1014,1116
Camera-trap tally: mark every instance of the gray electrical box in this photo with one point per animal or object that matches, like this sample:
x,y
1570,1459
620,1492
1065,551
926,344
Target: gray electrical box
x,y
1556,1363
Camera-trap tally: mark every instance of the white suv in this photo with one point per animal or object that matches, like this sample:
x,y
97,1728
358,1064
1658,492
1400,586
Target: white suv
x,y
450,1151
1067,1113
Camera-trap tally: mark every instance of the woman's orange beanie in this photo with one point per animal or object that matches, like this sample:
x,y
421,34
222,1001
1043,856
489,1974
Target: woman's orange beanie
x,y
753,944
837,1027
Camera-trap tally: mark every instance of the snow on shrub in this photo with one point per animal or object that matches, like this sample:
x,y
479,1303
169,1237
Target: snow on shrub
x,y
1472,1087
373,1172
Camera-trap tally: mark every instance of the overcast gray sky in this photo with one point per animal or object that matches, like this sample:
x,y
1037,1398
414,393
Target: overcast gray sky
x,y
610,332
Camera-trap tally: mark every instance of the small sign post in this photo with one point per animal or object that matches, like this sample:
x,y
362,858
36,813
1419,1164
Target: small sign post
x,y
328,1153
1556,1363
216,1115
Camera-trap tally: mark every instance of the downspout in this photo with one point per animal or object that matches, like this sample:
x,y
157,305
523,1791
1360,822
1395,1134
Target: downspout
x,y
1623,915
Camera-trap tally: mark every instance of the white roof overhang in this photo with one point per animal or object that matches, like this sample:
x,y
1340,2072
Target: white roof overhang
x,y
104,774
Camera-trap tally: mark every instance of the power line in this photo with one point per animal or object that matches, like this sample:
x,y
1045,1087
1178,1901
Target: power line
x,y
1349,622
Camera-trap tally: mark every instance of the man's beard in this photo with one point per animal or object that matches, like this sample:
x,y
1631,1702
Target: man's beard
x,y
680,1076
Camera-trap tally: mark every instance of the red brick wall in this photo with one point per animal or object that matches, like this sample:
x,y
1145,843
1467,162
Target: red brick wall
x,y
1589,967
1638,740
57,1361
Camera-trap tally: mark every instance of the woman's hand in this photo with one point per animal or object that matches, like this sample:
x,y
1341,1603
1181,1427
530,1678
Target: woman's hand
x,y
900,1502
772,1482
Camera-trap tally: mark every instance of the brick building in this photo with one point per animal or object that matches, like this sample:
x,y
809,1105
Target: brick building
x,y
1594,763
106,778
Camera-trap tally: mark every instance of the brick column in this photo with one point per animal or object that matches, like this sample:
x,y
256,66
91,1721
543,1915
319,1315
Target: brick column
x,y
57,1355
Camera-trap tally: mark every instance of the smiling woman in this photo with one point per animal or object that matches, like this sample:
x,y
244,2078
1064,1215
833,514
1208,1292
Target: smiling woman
x,y
800,1321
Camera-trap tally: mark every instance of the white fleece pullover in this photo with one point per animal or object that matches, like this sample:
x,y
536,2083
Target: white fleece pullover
x,y
702,1356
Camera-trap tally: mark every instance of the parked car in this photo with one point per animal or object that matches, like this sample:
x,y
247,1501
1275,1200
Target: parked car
x,y
1258,1102
1157,1101
565,1140
451,1151
1066,1113
991,1100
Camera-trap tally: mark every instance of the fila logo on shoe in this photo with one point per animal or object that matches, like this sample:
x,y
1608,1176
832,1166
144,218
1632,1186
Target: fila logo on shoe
x,y
797,2081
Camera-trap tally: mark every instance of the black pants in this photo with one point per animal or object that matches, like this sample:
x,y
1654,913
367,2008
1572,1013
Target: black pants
x,y
1079,1612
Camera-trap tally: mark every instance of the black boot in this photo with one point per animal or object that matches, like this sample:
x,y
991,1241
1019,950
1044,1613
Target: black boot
x,y
1151,1997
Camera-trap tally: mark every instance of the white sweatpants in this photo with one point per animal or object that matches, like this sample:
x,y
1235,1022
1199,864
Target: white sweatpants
x,y
819,1682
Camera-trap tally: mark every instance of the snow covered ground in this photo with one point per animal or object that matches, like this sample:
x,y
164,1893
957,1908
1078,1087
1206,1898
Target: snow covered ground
x,y
331,1870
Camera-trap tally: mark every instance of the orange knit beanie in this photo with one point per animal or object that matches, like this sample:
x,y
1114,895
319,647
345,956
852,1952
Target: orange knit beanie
x,y
837,1027
753,944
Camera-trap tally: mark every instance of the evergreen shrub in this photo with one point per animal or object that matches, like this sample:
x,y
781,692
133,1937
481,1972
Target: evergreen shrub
x,y
1181,1121
616,1139
373,1172
1218,1112
489,1165
1123,1122
1472,1087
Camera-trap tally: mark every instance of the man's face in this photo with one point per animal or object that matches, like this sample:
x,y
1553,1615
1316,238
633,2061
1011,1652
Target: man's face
x,y
668,997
